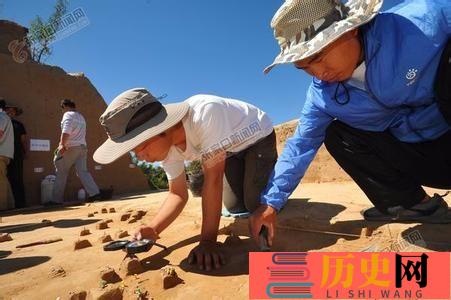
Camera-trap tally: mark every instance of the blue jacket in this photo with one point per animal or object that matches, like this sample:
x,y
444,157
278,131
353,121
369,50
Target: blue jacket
x,y
402,51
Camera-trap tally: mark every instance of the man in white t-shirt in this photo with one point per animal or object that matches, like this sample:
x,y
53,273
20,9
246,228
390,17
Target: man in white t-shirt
x,y
234,140
72,151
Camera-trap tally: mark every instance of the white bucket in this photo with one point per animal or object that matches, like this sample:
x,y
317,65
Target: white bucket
x,y
47,189
81,195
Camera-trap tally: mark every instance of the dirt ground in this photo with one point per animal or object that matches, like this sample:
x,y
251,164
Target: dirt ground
x,y
318,217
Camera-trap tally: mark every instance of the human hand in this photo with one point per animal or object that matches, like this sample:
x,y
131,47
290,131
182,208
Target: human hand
x,y
145,232
264,215
206,255
61,149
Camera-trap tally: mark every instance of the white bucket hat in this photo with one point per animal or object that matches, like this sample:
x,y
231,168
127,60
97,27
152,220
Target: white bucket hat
x,y
305,27
132,118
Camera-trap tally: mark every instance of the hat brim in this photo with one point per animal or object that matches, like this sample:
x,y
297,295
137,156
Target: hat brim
x,y
356,18
18,109
111,150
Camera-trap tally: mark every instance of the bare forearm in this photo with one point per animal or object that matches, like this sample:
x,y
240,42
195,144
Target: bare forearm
x,y
168,212
211,207
63,139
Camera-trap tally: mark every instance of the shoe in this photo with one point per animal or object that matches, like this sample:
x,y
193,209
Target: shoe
x,y
96,197
226,213
434,211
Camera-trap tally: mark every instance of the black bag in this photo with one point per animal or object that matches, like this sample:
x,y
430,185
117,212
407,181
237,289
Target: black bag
x,y
443,83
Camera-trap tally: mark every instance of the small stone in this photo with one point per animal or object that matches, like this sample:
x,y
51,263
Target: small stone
x,y
96,212
112,210
130,266
102,225
105,238
57,271
104,211
121,234
90,215
136,215
125,217
108,221
109,275
85,232
5,237
132,220
108,293
169,277
78,295
142,213
80,244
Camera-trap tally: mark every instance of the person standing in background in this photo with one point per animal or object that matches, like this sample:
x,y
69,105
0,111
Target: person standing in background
x,y
6,154
15,167
72,150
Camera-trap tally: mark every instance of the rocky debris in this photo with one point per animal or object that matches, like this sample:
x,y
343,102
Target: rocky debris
x,y
104,211
130,266
125,217
142,213
96,212
136,215
121,234
132,220
232,240
105,238
109,275
90,215
5,237
169,277
108,221
57,271
102,225
112,210
78,295
85,232
108,293
80,244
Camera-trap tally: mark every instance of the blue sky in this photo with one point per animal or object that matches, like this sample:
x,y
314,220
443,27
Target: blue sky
x,y
177,47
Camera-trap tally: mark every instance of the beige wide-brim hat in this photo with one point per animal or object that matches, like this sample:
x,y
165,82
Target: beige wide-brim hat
x,y
132,118
304,27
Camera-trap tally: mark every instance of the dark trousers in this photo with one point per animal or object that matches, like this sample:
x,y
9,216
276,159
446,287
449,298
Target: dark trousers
x,y
389,171
247,173
15,177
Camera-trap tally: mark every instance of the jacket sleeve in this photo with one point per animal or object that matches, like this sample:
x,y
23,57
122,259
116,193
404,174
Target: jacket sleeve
x,y
297,155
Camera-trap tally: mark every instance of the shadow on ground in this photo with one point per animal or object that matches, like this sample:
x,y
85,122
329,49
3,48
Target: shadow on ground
x,y
64,223
10,265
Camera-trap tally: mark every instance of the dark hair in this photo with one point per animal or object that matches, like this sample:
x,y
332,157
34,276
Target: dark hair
x,y
68,103
2,103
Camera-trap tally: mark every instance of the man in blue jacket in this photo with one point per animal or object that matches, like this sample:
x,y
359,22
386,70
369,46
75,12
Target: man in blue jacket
x,y
371,102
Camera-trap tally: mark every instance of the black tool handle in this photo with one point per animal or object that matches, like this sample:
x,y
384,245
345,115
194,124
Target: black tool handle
x,y
263,239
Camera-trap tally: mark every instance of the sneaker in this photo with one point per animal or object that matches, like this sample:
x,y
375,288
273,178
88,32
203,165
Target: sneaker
x,y
433,211
96,197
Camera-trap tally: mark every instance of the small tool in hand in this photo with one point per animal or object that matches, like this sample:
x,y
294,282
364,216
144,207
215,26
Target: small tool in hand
x,y
263,239
132,247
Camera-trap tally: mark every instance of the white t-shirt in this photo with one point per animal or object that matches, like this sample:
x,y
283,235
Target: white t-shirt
x,y
7,140
74,124
214,124
358,77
